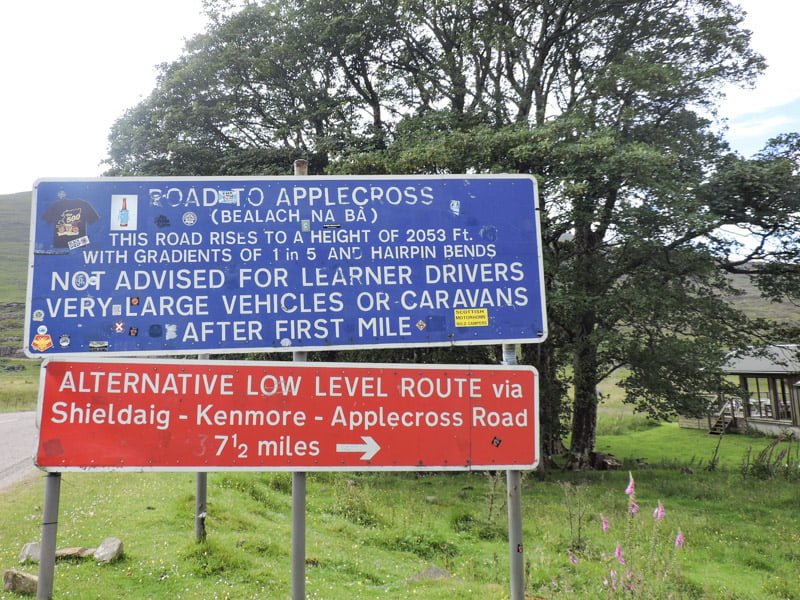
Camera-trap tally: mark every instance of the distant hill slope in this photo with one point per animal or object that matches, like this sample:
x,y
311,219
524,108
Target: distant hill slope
x,y
15,213
753,305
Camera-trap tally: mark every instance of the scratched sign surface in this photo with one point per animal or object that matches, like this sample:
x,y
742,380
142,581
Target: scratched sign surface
x,y
187,265
129,414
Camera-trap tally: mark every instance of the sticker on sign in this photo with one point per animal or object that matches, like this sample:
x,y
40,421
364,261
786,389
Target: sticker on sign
x,y
270,416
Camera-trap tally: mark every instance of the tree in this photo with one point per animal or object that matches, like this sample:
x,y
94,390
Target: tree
x,y
610,104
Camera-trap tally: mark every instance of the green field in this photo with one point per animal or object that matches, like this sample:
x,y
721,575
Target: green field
x,y
18,376
15,214
376,535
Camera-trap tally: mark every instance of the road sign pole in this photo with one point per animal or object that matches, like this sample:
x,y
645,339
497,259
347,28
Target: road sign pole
x,y
201,496
299,521
47,548
200,507
517,574
298,536
299,485
514,490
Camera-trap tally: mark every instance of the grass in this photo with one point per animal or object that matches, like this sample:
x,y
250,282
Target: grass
x,y
669,445
19,377
372,535
15,212
613,415
19,384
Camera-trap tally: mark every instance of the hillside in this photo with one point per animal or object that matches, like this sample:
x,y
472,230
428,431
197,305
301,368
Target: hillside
x,y
15,214
752,303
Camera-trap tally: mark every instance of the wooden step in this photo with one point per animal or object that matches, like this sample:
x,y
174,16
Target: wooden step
x,y
721,426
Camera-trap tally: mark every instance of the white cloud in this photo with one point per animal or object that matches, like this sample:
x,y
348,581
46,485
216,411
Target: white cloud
x,y
774,35
773,105
755,125
70,69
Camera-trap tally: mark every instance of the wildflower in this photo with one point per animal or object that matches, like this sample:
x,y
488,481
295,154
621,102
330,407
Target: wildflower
x,y
629,584
604,523
631,489
634,507
680,540
659,512
572,558
618,555
613,580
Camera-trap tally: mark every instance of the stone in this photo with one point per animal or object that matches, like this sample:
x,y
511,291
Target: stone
x,y
431,573
74,552
20,583
109,551
30,553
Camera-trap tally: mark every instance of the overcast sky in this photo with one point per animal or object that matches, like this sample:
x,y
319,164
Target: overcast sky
x,y
71,67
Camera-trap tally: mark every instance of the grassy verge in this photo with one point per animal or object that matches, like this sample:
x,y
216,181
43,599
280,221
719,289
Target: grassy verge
x,y
19,384
373,535
671,446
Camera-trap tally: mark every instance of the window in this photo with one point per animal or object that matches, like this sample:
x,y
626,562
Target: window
x,y
783,398
769,397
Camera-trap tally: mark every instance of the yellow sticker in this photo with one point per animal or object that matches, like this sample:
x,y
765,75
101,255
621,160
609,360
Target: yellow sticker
x,y
472,317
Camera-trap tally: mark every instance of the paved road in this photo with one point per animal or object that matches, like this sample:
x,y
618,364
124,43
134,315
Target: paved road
x,y
17,447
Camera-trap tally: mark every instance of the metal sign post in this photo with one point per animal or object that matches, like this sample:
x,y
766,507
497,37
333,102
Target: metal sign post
x,y
514,492
299,483
201,496
47,548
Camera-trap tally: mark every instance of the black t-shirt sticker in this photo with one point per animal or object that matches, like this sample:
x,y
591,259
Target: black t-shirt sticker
x,y
69,218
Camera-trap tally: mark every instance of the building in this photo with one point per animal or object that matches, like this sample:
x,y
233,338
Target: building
x,y
770,380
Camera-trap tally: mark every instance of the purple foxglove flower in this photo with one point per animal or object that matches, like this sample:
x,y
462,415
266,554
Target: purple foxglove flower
x,y
604,523
659,512
618,555
634,507
631,489
680,540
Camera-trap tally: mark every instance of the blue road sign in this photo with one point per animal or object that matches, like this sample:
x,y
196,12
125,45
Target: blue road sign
x,y
217,265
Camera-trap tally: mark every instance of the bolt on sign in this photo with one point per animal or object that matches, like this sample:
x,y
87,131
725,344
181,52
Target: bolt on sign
x,y
171,415
155,266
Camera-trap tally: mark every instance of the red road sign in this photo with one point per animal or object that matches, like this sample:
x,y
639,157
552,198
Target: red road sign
x,y
176,415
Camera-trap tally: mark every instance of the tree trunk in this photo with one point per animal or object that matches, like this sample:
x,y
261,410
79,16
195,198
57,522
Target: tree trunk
x,y
584,413
551,394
